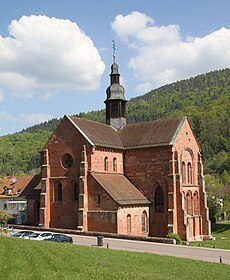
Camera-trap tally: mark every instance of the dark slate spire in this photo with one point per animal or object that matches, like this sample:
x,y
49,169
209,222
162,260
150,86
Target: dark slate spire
x,y
115,101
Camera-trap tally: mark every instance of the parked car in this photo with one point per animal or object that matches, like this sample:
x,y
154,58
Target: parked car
x,y
60,238
39,235
22,234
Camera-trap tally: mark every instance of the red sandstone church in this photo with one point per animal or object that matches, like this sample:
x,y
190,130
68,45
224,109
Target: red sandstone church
x,y
143,179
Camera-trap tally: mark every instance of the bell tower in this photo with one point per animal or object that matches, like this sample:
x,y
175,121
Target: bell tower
x,y
115,102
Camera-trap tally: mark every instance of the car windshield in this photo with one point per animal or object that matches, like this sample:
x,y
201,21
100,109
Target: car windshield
x,y
18,233
27,233
35,234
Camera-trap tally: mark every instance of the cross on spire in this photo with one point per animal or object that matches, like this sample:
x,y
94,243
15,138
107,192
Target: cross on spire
x,y
114,51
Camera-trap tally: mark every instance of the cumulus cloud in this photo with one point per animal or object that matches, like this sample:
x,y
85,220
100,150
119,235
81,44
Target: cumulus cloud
x,y
1,96
163,56
25,118
48,53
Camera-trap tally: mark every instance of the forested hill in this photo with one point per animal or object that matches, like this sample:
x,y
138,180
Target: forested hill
x,y
205,99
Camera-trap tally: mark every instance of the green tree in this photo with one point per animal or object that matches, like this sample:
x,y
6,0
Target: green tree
x,y
4,218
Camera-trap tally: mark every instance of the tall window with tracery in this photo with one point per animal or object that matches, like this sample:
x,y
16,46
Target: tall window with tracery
x,y
75,191
196,207
189,207
58,192
159,200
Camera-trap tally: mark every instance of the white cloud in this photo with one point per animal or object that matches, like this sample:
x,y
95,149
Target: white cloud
x,y
163,56
35,118
25,118
1,96
48,53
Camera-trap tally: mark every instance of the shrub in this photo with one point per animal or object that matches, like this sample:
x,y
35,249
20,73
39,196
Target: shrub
x,y
174,236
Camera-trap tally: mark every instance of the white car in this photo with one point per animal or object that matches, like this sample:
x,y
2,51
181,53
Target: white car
x,y
39,235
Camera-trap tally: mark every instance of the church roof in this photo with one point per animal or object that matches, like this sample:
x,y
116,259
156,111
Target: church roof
x,y
120,189
98,134
138,135
150,134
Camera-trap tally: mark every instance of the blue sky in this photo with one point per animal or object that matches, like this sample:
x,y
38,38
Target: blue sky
x,y
55,56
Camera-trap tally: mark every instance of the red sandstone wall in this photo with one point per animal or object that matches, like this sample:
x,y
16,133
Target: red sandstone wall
x,y
65,140
102,221
186,141
99,155
136,220
32,212
146,168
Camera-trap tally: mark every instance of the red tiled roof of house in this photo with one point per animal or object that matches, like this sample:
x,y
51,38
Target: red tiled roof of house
x,y
17,187
120,189
33,188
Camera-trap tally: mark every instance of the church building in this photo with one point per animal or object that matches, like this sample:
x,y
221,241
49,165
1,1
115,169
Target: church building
x,y
142,179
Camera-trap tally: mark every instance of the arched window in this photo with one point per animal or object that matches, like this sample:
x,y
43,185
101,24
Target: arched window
x,y
75,191
189,173
128,223
189,203
196,207
159,200
144,222
58,192
115,164
183,173
106,164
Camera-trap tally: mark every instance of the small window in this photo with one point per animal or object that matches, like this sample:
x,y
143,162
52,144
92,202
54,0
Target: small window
x,y
106,164
67,161
128,223
159,200
115,164
98,199
144,222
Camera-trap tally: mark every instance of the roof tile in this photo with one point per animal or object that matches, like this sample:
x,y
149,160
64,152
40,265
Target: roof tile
x,y
120,188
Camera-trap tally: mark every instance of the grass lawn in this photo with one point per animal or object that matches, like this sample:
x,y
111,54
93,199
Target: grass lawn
x,y
221,232
38,260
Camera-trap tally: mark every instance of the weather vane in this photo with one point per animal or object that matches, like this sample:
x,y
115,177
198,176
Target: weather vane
x,y
114,51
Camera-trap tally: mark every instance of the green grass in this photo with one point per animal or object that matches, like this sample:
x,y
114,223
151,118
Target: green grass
x,y
221,232
38,260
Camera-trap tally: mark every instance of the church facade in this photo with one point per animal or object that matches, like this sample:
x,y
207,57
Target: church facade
x,y
143,179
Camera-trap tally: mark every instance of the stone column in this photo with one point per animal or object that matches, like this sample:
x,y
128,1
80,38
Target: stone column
x,y
45,191
83,193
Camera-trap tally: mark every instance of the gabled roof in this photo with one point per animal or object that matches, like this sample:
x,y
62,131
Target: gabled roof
x,y
120,189
97,134
150,134
33,188
138,135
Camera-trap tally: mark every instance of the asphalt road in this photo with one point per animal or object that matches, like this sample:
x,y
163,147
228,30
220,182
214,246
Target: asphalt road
x,y
181,251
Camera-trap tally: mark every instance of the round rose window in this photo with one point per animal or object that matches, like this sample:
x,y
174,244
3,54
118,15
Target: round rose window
x,y
67,161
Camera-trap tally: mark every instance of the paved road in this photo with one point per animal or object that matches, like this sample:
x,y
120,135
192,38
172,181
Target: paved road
x,y
204,254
